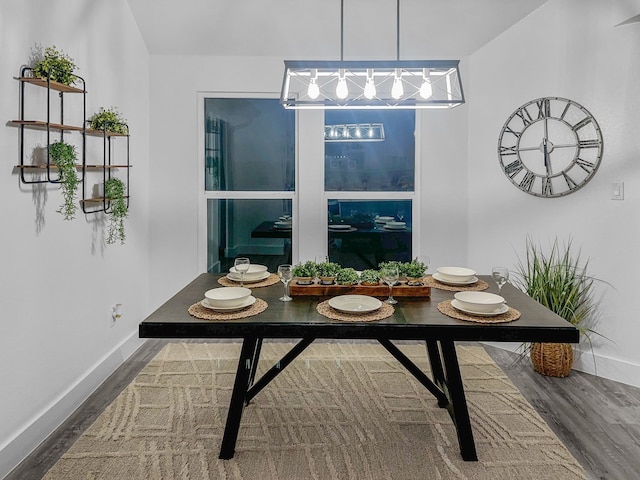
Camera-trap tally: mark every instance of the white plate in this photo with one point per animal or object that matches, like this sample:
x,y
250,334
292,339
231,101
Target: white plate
x,y
355,303
235,277
384,219
387,227
247,303
449,282
339,227
499,311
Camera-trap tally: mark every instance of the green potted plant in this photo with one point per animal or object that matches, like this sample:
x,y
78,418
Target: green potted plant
x,y
305,272
63,156
109,120
370,277
414,271
114,190
55,65
327,272
347,276
559,281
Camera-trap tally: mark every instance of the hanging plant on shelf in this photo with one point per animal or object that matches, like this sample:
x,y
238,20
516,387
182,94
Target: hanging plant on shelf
x,y
114,191
56,65
64,157
109,119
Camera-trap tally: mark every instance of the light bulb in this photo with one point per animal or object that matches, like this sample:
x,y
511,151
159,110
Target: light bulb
x,y
425,89
314,90
358,133
370,87
397,90
342,91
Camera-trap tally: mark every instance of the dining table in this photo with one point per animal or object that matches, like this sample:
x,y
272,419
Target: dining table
x,y
417,319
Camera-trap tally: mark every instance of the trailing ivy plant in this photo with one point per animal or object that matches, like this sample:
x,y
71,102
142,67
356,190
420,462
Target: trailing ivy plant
x,y
64,157
55,64
114,191
109,119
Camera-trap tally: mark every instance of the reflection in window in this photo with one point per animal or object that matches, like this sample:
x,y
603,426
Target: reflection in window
x,y
249,145
360,235
256,228
353,163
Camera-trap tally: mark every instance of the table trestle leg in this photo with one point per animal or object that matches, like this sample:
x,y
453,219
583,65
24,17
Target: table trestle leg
x,y
277,368
238,396
415,371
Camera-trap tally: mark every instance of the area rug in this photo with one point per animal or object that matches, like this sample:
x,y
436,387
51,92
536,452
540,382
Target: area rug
x,y
339,411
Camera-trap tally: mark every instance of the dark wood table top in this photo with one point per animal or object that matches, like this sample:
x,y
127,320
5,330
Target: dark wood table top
x,y
414,318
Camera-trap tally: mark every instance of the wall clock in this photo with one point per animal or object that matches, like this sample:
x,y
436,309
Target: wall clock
x,y
550,147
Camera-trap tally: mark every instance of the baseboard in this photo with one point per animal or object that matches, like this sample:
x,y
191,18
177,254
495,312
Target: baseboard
x,y
586,361
16,449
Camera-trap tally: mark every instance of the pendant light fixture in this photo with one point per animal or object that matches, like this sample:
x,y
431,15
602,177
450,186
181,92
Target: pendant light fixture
x,y
374,84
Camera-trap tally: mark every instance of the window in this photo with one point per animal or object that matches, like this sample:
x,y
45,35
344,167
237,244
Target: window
x,y
249,180
369,180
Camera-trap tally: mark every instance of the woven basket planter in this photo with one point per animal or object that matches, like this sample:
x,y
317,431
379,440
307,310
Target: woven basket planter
x,y
552,359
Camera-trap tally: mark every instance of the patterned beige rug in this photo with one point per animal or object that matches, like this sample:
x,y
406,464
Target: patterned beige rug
x,y
338,412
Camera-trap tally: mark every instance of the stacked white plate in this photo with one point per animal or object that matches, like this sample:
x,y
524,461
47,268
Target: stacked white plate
x,y
282,224
228,299
355,303
395,225
455,276
255,273
479,303
340,226
384,219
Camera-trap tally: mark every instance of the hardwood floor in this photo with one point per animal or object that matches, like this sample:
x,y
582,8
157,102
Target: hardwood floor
x,y
597,419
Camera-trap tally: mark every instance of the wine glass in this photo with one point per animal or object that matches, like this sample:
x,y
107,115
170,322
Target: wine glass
x,y
400,215
285,273
500,275
242,265
389,276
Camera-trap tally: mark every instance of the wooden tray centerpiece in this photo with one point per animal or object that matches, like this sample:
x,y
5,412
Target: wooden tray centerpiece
x,y
380,290
328,279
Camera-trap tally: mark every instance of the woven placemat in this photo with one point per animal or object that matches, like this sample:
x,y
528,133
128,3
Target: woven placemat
x,y
326,310
509,316
203,313
432,282
272,279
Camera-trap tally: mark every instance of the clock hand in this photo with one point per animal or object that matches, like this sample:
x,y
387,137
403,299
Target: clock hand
x,y
545,152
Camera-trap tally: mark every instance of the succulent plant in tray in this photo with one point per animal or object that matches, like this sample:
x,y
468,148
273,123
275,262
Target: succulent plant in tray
x,y
370,277
305,272
414,271
327,272
347,276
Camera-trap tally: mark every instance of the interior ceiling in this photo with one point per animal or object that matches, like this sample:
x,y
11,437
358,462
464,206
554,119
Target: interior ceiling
x,y
310,29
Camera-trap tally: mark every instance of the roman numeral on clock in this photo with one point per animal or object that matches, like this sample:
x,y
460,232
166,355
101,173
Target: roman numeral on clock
x,y
544,109
508,150
570,183
589,143
586,165
524,116
547,188
581,123
513,168
527,182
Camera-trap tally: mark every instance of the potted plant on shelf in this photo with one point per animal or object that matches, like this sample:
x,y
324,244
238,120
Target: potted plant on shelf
x,y
109,120
305,272
370,277
63,156
327,272
347,276
114,191
55,65
559,281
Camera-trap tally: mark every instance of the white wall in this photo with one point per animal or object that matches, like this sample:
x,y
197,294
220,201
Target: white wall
x,y
571,49
58,280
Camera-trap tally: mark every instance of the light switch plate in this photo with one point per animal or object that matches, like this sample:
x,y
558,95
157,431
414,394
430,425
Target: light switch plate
x,y
617,191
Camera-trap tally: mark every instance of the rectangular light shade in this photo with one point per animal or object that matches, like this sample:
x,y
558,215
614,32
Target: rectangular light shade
x,y
377,84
